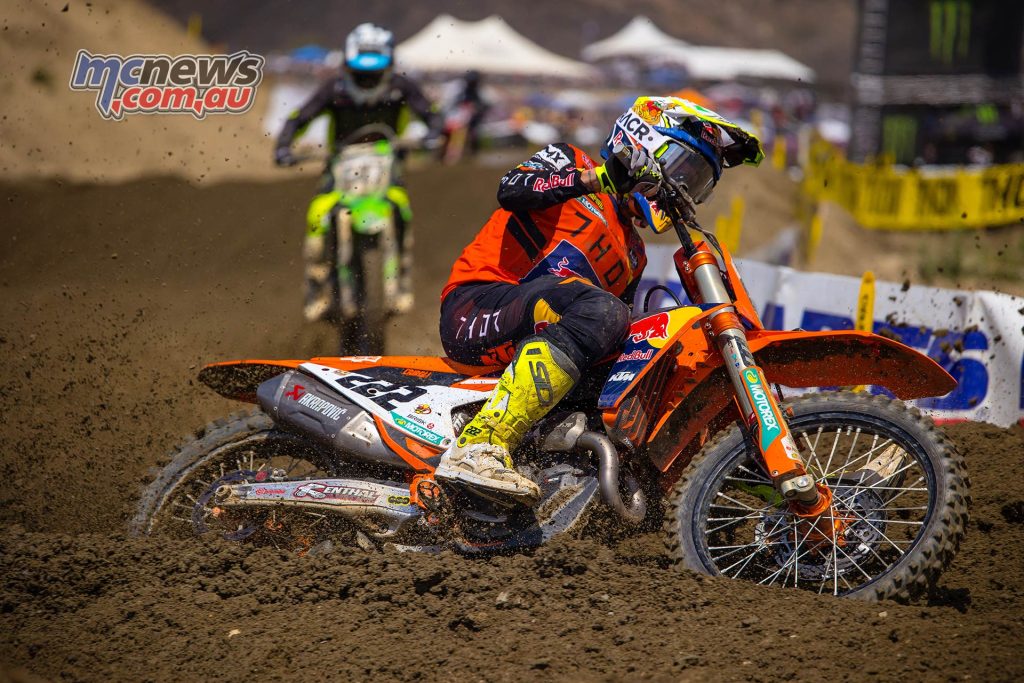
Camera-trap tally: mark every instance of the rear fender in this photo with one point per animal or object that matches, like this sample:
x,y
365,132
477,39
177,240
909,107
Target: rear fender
x,y
697,396
238,379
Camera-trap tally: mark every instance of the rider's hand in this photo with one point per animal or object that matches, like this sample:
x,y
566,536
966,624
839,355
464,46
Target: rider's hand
x,y
629,169
283,156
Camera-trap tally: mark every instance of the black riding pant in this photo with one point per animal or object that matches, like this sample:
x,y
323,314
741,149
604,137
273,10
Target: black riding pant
x,y
482,323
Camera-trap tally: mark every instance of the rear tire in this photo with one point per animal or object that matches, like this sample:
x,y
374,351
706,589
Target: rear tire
x,y
228,448
722,518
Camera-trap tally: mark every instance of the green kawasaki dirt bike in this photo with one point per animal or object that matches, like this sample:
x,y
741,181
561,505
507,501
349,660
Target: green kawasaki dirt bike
x,y
356,249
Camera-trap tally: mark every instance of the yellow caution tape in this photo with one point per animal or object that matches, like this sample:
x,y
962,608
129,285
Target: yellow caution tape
x,y
882,196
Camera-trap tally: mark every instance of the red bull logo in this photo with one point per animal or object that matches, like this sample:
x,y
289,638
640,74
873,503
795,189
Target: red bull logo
x,y
652,327
562,269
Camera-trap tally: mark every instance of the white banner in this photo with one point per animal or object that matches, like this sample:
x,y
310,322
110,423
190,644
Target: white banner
x,y
978,337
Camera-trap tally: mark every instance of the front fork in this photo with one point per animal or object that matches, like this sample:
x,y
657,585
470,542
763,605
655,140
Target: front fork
x,y
758,406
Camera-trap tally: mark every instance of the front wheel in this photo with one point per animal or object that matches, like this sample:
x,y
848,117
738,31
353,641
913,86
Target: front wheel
x,y
365,334
899,512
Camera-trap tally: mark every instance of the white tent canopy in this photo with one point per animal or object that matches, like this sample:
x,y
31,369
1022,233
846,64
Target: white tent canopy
x,y
641,39
730,63
490,46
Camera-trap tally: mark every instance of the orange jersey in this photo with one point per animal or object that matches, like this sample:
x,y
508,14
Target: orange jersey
x,y
549,224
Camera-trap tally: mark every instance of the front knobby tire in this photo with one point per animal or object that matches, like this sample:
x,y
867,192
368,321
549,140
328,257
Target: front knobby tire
x,y
365,335
901,491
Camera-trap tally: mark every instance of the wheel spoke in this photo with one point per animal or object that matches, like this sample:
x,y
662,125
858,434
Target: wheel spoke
x,y
760,546
733,500
875,528
904,489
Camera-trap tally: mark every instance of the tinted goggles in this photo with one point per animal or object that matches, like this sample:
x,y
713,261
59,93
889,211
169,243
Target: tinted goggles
x,y
685,165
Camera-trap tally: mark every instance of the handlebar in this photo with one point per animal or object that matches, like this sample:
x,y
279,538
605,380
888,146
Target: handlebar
x,y
673,199
371,132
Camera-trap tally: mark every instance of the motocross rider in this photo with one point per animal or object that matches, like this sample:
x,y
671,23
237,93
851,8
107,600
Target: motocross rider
x,y
366,91
546,287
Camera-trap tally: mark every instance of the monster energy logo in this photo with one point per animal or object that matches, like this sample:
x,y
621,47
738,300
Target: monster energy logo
x,y
949,30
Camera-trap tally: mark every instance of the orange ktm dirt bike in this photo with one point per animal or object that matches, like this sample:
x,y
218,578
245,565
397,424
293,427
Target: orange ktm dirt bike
x,y
836,492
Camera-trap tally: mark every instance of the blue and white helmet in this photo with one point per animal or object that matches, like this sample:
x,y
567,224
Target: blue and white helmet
x,y
369,48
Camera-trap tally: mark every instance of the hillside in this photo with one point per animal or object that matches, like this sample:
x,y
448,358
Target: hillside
x,y
48,130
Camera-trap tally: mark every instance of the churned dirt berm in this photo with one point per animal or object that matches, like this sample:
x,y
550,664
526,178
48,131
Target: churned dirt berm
x,y
112,297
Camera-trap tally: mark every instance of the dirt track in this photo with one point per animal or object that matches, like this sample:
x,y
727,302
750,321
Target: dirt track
x,y
112,297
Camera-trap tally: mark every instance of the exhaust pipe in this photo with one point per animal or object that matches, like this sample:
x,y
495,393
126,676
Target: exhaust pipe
x,y
608,478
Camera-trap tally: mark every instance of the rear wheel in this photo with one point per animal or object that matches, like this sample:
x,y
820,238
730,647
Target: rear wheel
x,y
900,503
244,448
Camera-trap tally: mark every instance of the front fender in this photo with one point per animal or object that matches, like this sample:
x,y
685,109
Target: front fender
x,y
848,357
796,359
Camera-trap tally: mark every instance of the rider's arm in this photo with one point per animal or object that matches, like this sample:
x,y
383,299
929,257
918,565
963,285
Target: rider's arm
x,y
419,104
301,117
547,178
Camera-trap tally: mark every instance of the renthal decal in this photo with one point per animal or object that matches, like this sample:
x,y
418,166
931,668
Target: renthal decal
x,y
325,408
763,406
554,180
416,430
622,377
319,491
261,491
636,355
554,156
